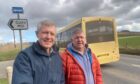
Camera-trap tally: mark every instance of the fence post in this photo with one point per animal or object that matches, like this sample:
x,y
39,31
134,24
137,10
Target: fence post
x,y
9,70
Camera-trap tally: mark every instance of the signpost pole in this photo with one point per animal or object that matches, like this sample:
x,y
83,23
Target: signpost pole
x,y
20,33
14,39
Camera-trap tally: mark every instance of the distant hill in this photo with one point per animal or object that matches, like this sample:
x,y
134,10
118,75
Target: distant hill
x,y
128,33
124,31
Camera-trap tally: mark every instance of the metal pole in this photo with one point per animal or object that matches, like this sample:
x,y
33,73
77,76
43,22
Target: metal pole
x,y
20,33
14,39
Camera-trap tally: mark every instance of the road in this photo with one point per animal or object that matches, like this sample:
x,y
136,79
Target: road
x,y
3,65
125,71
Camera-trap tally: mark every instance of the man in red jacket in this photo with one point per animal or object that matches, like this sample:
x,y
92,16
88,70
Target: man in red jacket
x,y
79,63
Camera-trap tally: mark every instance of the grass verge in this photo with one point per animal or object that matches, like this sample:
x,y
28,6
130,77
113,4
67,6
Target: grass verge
x,y
130,45
8,55
130,51
3,81
9,52
129,42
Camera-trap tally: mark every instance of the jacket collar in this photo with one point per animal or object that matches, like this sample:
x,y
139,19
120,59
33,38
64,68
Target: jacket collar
x,y
40,50
88,50
70,47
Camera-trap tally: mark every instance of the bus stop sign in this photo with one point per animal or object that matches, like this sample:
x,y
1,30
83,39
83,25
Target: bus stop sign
x,y
17,9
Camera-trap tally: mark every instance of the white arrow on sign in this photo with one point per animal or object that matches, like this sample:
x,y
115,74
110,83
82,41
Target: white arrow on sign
x,y
18,24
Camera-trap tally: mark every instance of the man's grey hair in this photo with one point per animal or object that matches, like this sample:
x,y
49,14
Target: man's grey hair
x,y
79,30
45,23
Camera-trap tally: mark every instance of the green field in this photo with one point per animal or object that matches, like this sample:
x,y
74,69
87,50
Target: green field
x,y
9,52
130,45
3,81
8,55
132,42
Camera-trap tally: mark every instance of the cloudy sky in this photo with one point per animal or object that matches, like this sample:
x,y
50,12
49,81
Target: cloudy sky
x,y
62,12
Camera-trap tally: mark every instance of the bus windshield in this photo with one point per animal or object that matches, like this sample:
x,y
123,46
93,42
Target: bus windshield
x,y
99,31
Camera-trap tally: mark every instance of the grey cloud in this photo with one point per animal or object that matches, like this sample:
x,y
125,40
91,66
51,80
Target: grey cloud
x,y
80,8
124,2
133,14
72,9
76,9
137,20
124,7
122,22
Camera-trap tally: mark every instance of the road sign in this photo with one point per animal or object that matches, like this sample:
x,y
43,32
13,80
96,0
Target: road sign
x,y
18,24
17,9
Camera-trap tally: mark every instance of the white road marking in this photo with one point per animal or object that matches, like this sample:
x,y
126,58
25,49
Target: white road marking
x,y
136,65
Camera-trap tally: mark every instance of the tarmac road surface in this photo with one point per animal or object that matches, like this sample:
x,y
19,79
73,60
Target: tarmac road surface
x,y
125,71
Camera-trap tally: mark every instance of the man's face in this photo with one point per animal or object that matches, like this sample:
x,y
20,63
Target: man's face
x,y
79,41
46,36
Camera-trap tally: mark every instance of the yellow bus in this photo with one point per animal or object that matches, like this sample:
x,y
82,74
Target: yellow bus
x,y
101,35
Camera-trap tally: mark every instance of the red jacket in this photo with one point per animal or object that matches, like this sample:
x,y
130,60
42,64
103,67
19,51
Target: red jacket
x,y
74,74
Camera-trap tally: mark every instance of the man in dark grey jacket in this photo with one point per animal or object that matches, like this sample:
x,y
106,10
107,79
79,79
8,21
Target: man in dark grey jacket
x,y
40,63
